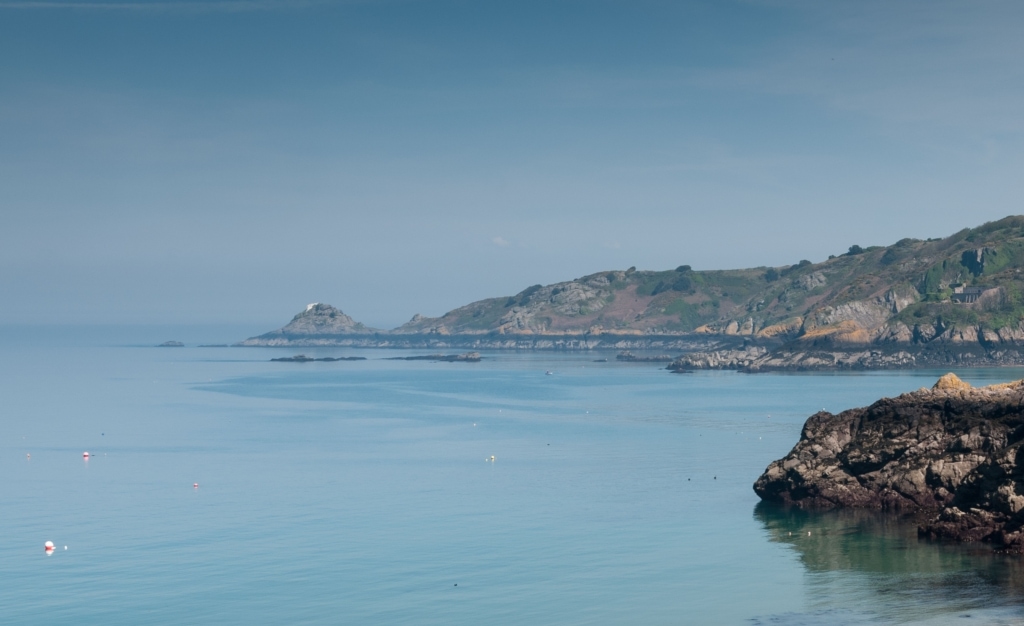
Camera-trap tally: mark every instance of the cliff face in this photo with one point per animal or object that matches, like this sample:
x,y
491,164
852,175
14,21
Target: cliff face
x,y
963,290
951,452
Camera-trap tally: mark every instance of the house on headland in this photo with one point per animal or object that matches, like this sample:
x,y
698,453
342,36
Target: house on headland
x,y
965,295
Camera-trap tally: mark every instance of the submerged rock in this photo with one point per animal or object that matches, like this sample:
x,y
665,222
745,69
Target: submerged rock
x,y
951,453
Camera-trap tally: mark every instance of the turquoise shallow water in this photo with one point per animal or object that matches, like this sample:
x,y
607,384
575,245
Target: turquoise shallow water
x,y
358,492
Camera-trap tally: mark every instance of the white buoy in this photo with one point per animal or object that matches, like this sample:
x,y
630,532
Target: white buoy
x,y
48,547
195,485
85,455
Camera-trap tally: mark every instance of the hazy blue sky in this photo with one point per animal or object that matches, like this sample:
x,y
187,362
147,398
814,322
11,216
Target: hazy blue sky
x,y
208,161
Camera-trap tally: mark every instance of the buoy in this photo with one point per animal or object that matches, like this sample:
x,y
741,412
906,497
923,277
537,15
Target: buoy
x,y
85,455
65,547
492,457
195,485
28,456
48,547
808,533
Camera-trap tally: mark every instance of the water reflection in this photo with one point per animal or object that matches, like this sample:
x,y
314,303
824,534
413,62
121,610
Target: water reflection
x,y
864,558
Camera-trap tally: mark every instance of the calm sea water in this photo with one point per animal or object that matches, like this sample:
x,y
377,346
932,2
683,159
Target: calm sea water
x,y
359,493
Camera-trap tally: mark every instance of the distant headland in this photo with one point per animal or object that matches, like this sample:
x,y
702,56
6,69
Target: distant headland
x,y
916,303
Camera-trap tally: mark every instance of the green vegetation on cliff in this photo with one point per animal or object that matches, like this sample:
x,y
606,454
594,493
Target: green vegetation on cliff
x,y
967,287
875,293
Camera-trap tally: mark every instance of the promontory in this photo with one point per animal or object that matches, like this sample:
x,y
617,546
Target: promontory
x,y
950,454
957,300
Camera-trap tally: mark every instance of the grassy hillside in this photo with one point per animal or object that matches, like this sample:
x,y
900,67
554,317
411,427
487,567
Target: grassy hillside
x,y
866,294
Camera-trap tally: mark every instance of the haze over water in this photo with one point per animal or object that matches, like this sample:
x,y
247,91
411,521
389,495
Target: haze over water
x,y
358,492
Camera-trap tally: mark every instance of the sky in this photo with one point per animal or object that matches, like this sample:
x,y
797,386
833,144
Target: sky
x,y
233,160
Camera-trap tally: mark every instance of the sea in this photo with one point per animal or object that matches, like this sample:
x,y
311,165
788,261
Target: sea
x,y
529,488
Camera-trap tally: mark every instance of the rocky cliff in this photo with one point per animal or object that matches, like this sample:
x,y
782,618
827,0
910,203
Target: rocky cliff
x,y
951,453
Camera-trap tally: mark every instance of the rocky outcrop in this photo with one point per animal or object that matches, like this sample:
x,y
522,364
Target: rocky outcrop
x,y
951,453
740,359
804,358
318,324
629,357
469,357
302,358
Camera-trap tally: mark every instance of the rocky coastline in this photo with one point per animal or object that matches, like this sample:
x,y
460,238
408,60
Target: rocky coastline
x,y
951,455
579,342
808,358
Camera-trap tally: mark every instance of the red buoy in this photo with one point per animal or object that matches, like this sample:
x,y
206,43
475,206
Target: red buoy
x,y
195,485
85,455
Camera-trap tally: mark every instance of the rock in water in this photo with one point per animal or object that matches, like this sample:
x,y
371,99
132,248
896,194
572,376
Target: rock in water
x,y
952,452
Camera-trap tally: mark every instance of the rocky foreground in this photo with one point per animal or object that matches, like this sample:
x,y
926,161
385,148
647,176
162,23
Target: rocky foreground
x,y
951,454
807,358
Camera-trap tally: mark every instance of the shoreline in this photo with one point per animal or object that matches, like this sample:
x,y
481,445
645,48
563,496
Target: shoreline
x,y
685,354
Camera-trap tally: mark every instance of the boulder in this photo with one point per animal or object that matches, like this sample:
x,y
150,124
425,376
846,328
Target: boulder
x,y
951,453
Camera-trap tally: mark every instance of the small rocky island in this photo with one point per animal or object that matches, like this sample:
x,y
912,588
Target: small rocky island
x,y
951,454
468,357
302,358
